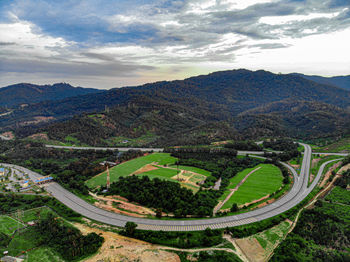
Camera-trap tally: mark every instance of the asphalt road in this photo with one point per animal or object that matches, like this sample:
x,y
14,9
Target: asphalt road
x,y
298,192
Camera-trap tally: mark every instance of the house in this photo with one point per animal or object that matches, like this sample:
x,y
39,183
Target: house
x,y
2,171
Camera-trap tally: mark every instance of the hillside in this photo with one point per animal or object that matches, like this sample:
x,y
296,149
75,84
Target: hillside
x,y
338,81
218,106
24,93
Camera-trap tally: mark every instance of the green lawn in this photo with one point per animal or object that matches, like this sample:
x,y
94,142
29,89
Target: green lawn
x,y
131,166
194,169
43,254
8,225
236,179
269,238
161,173
24,241
32,214
262,182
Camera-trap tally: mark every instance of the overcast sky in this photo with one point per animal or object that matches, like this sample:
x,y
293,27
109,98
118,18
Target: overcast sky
x,y
105,43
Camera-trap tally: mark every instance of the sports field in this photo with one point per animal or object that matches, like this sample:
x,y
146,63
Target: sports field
x,y
161,173
193,169
130,167
8,225
262,182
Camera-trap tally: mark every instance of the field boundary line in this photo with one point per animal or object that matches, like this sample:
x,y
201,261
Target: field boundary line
x,y
220,205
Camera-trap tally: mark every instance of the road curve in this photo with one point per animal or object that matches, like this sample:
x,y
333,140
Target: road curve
x,y
298,192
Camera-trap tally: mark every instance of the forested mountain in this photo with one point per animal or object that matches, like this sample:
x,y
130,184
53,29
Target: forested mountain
x,y
223,105
24,93
338,81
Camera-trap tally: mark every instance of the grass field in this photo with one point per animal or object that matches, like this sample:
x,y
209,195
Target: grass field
x,y
43,254
194,169
262,182
236,179
32,214
131,166
8,225
268,238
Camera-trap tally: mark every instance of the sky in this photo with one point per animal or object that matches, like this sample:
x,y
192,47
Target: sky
x,y
105,43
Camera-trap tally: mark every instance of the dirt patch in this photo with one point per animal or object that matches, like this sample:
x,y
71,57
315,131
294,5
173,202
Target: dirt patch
x,y
120,248
315,161
122,206
329,173
8,135
37,120
343,169
311,178
252,249
145,168
295,166
39,136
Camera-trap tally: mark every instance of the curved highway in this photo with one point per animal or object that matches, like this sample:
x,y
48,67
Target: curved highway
x,y
298,192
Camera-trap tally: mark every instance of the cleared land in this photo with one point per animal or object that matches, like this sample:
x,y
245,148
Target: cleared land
x,y
130,167
8,225
194,170
264,181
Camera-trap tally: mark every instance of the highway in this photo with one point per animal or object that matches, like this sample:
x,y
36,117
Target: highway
x,y
239,152
297,193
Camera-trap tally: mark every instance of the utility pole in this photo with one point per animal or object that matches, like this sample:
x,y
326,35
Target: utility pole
x,y
108,179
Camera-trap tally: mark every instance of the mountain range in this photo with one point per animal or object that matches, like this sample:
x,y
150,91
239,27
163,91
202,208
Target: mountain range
x,y
235,104
25,93
338,81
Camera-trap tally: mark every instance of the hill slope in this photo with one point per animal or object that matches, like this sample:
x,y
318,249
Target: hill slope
x,y
338,81
228,104
23,93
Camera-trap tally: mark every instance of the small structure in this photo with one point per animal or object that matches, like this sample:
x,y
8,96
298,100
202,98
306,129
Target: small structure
x,y
43,180
109,163
2,171
25,184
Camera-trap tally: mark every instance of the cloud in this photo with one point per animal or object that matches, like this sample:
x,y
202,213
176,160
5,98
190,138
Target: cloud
x,y
130,38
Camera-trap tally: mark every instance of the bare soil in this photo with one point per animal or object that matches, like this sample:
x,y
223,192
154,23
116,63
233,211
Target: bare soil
x,y
123,206
252,249
145,168
39,136
8,134
329,173
120,248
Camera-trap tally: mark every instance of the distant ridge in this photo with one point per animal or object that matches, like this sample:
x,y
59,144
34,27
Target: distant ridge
x,y
338,81
223,105
25,93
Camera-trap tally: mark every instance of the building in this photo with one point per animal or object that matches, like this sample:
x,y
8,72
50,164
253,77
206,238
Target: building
x,y
2,171
43,180
25,184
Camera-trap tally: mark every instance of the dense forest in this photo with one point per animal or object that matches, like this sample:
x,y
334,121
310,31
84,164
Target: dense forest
x,y
198,110
167,196
67,240
322,233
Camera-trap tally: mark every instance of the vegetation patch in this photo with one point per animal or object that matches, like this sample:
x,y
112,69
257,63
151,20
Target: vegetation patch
x,y
129,167
261,183
8,225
